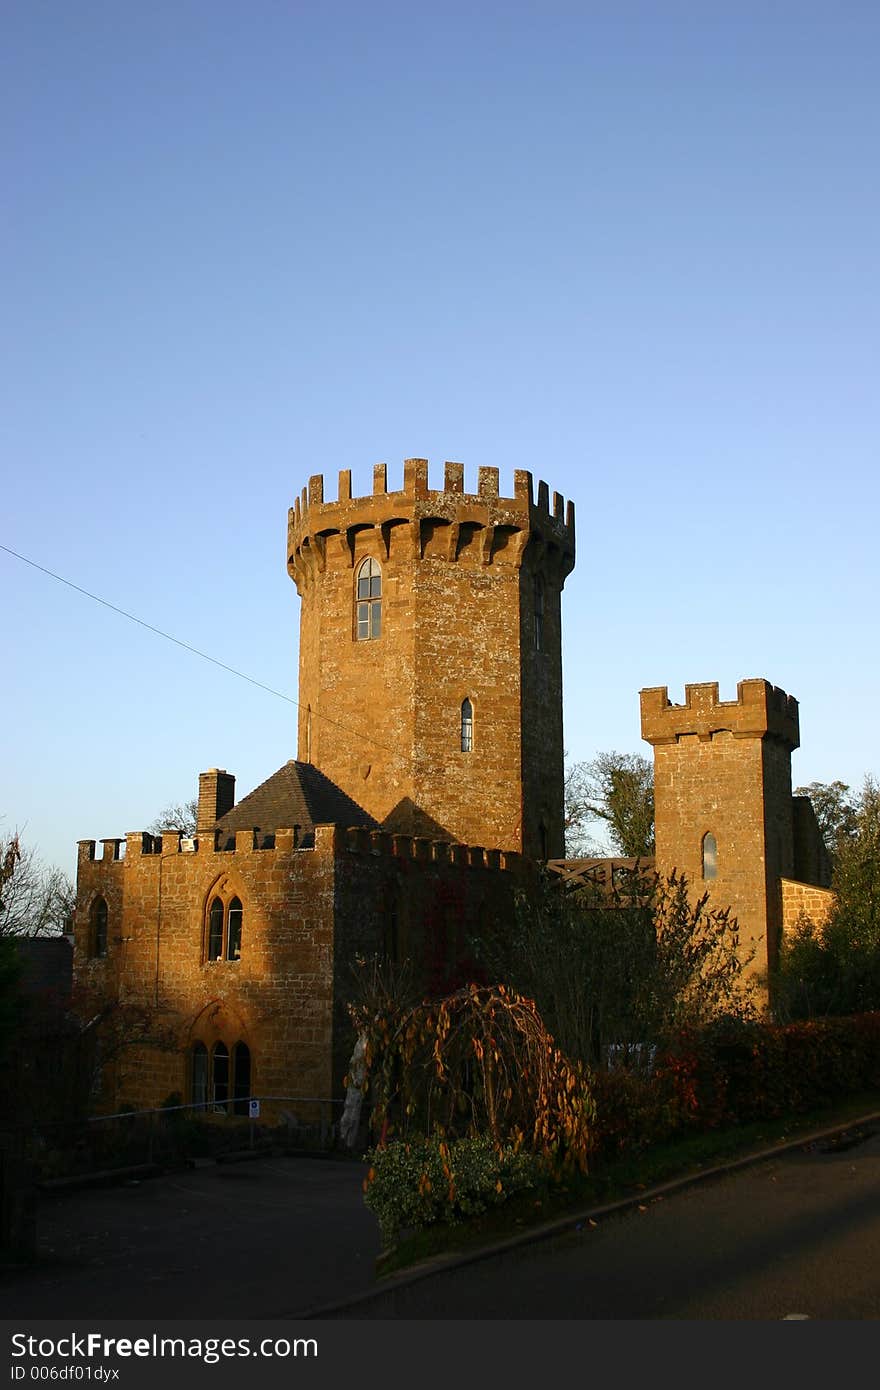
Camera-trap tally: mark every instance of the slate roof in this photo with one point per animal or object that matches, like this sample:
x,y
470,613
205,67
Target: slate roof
x,y
297,794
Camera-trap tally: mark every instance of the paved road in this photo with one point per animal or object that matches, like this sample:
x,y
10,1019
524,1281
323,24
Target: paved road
x,y
795,1236
286,1237
268,1238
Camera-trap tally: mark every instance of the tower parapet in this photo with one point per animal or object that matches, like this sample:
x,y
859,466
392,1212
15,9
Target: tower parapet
x,y
448,524
759,710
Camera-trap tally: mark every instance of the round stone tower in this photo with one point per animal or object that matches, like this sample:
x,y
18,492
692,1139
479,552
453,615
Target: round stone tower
x,y
430,667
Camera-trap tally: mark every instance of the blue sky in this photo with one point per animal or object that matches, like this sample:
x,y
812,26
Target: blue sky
x,y
630,247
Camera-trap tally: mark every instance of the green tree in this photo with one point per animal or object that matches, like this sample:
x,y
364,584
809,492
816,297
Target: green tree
x,y
615,791
834,967
836,811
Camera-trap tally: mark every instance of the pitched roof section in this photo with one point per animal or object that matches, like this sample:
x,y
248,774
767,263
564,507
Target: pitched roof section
x,y
297,794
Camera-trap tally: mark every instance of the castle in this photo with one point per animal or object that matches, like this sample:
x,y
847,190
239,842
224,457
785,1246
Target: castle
x,y
428,783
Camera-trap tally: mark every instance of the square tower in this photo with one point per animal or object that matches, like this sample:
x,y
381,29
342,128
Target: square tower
x,y
723,803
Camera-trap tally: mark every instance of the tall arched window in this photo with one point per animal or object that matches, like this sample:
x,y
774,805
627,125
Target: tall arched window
x,y
241,1077
220,1078
98,928
224,930
467,726
710,856
220,1074
199,1074
233,930
539,613
368,604
215,931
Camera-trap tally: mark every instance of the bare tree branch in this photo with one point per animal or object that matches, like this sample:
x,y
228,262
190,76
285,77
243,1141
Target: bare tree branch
x,y
37,899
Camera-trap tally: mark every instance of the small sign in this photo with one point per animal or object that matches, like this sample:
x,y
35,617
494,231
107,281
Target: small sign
x,y
254,1109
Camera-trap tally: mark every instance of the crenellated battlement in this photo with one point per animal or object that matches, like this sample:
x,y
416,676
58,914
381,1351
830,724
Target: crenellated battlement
x,y
324,839
448,524
383,843
760,710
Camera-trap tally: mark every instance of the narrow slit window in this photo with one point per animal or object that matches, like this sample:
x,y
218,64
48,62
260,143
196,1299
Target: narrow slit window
x,y
467,726
392,934
539,613
710,856
99,927
368,604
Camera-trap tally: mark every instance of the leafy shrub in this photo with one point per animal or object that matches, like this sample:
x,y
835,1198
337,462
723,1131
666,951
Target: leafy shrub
x,y
833,967
734,1072
413,1185
743,1071
632,1112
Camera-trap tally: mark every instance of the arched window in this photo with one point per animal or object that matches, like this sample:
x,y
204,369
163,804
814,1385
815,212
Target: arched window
x,y
368,604
224,930
99,927
220,1074
467,726
215,931
241,1077
199,1074
710,856
233,930
221,1079
539,613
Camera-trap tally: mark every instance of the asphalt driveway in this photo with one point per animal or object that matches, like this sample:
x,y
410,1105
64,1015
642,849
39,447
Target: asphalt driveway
x,y
266,1238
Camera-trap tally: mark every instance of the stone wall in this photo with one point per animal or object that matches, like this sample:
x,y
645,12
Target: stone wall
x,y
804,900
308,914
382,717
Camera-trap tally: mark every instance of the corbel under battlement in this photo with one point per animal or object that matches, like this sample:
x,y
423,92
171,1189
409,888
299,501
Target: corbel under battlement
x,y
760,710
361,840
316,523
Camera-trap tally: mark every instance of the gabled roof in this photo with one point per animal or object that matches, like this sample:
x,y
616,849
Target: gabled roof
x,y
297,794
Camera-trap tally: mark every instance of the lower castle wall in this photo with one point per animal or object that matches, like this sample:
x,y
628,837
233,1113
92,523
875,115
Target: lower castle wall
x,y
804,900
307,914
276,998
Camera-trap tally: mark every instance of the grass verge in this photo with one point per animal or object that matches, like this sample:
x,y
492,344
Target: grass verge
x,y
612,1181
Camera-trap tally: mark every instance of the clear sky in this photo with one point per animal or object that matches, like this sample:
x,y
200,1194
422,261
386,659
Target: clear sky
x,y
632,247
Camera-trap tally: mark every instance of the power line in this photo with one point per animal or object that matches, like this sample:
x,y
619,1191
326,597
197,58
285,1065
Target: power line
x,y
96,598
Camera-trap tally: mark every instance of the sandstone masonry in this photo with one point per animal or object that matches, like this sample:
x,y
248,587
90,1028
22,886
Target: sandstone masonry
x,y
428,785
724,812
